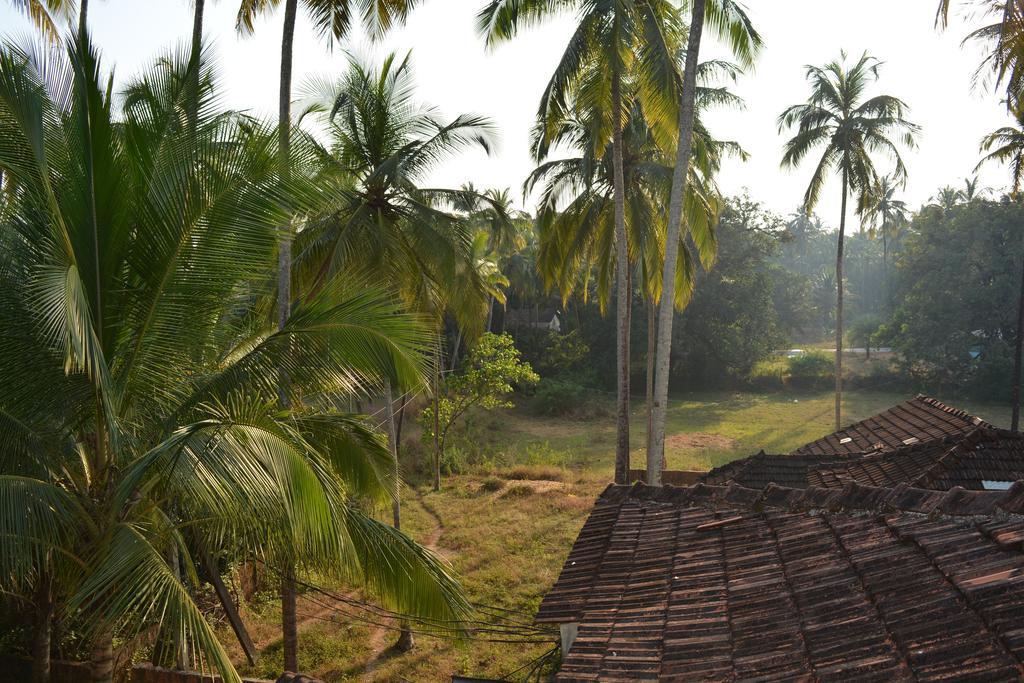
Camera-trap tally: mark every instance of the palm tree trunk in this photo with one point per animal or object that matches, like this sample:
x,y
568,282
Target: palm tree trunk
x,y
102,666
623,293
197,43
455,349
43,636
490,313
289,627
1015,416
83,16
437,419
652,346
405,639
684,146
839,305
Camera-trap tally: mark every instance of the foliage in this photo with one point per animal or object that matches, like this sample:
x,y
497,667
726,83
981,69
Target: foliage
x,y
559,397
811,370
491,373
139,397
958,282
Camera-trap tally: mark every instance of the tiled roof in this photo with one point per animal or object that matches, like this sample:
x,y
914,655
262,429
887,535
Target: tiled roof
x,y
732,583
985,454
762,469
919,419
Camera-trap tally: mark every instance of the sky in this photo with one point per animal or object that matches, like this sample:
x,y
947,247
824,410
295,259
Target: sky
x,y
454,71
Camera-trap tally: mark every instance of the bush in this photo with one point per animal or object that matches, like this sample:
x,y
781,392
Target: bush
x,y
518,491
491,484
812,370
558,397
534,472
767,375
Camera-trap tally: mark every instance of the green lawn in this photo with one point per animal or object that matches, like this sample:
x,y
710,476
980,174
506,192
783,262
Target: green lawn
x,y
507,524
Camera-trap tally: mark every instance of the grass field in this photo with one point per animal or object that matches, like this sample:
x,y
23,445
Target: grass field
x,y
508,522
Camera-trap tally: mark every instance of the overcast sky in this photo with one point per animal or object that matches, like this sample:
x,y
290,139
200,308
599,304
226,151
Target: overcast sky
x,y
929,70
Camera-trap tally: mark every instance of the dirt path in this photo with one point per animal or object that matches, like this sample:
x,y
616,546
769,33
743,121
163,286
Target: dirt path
x,y
380,639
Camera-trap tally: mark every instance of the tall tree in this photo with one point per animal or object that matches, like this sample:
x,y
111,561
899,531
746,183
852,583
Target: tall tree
x,y
1006,146
48,16
575,215
885,215
849,129
138,409
333,19
615,35
729,21
1002,34
381,216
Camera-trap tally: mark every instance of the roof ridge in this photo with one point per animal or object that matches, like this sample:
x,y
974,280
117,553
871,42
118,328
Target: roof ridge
x,y
957,502
959,412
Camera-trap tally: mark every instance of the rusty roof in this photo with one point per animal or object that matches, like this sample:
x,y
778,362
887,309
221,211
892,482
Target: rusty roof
x,y
984,454
858,583
920,419
757,471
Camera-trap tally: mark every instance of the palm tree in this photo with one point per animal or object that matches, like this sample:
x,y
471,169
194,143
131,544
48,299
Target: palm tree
x,y
576,242
849,129
1006,146
333,19
381,217
729,21
1003,35
947,198
885,215
138,407
972,190
616,36
47,15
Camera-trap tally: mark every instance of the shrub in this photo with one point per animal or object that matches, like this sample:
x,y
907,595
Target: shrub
x,y
491,484
558,397
767,375
525,472
518,491
812,370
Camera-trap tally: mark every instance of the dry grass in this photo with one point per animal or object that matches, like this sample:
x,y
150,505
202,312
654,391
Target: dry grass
x,y
507,529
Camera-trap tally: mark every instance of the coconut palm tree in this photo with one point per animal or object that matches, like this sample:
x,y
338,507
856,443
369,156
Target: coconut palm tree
x,y
615,35
728,20
48,16
138,401
382,145
885,215
1002,33
1006,146
575,214
848,128
333,19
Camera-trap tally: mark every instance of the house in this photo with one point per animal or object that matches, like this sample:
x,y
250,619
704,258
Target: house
x,y
540,319
920,419
854,583
985,458
922,443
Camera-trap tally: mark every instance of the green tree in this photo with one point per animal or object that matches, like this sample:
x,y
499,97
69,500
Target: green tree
x,y
492,372
620,38
137,406
728,20
849,129
48,16
1006,146
886,216
1002,34
575,220
334,20
380,216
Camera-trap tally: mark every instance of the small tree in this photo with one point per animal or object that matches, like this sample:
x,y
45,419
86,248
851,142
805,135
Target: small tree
x,y
492,371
